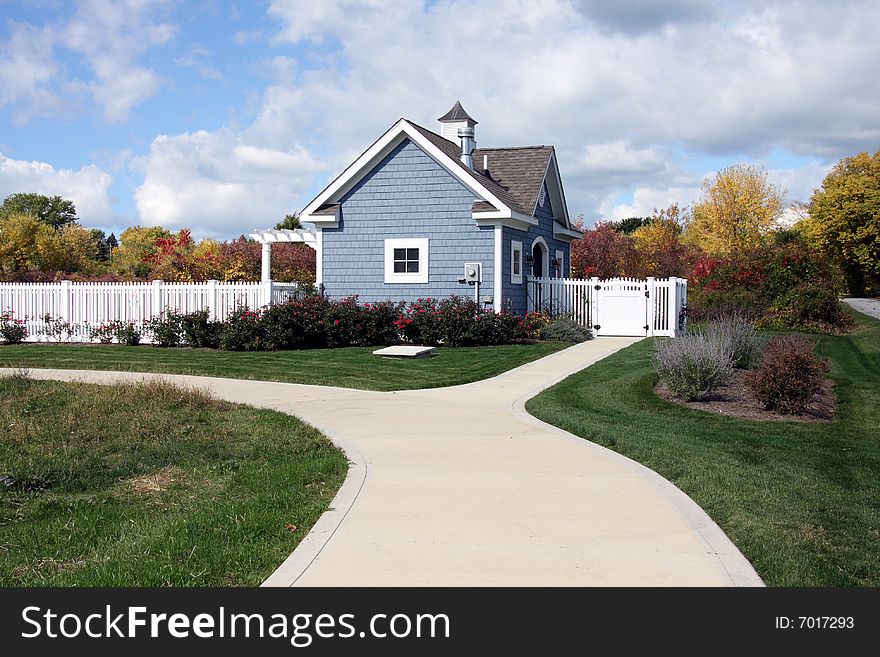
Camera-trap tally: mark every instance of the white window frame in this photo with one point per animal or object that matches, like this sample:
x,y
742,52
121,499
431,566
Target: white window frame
x,y
560,262
406,243
514,277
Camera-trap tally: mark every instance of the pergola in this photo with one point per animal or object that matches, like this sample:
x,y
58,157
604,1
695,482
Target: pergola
x,y
268,237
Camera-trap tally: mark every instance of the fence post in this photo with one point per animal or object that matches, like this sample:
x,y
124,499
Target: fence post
x,y
652,305
157,298
673,312
65,302
213,315
594,302
267,293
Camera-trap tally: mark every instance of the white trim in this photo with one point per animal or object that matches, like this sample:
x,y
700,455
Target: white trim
x,y
319,256
545,263
515,278
379,149
560,258
565,234
420,243
271,236
497,279
513,220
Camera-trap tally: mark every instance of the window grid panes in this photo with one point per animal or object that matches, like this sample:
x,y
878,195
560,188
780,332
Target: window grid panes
x,y
406,261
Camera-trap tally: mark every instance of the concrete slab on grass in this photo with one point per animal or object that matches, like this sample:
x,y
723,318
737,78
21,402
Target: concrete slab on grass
x,y
404,351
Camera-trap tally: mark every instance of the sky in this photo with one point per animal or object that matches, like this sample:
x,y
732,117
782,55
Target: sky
x,y
224,116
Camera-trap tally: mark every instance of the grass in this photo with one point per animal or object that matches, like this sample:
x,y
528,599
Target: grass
x,y
353,367
152,485
802,501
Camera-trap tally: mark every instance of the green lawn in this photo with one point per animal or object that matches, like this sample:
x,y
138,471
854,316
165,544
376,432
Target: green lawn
x,y
152,485
801,501
353,367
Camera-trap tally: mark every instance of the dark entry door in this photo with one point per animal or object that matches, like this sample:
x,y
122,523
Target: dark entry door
x,y
538,266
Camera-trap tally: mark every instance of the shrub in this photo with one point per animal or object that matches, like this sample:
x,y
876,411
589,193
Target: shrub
x,y
57,329
808,306
738,337
13,331
166,329
459,322
297,324
693,365
243,331
128,334
104,333
790,374
198,330
565,330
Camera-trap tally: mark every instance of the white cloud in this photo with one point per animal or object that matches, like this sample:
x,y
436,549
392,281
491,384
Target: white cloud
x,y
646,200
88,187
216,183
110,37
618,92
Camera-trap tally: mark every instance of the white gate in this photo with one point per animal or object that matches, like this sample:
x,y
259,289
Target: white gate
x,y
615,306
620,307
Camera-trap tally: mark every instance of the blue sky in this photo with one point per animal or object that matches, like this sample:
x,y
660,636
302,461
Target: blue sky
x,y
224,116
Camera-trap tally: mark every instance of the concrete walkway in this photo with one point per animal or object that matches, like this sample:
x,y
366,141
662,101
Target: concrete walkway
x,y
460,486
868,306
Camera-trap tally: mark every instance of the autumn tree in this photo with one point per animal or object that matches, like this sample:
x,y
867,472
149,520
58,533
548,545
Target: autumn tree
x,y
844,220
602,252
137,244
737,211
51,210
660,246
630,225
28,244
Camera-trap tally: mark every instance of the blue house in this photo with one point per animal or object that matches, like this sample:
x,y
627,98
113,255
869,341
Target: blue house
x,y
421,214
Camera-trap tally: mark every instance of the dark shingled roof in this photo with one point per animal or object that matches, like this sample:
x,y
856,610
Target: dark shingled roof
x,y
514,176
457,113
482,206
327,209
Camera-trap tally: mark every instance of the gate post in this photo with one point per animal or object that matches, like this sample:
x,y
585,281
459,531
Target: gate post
x,y
673,308
594,304
651,304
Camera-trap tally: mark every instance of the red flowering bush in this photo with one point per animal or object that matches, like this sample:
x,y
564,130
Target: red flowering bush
x,y
297,324
243,330
13,331
460,322
790,374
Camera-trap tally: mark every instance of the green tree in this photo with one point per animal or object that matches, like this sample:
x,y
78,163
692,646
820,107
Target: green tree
x,y
737,212
290,222
630,225
844,220
52,210
102,244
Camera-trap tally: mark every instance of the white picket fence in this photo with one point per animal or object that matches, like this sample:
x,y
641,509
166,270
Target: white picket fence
x,y
85,305
615,306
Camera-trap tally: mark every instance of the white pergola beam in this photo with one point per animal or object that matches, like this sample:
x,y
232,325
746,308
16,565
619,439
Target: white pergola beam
x,y
267,237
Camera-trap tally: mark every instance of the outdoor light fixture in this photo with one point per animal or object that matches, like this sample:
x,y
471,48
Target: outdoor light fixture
x,y
553,262
530,259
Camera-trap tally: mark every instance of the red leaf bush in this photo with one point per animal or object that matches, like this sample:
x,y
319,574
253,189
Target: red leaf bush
x,y
789,375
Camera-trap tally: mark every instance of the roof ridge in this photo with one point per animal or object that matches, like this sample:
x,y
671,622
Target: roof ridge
x,y
512,148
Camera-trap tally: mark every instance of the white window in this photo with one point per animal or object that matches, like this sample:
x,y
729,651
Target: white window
x,y
542,197
560,261
515,262
406,261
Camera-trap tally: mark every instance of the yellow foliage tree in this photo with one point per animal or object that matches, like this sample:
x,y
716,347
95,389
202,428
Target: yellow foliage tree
x,y
136,244
80,249
659,245
737,211
26,243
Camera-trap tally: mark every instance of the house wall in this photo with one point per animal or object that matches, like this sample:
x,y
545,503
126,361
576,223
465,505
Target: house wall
x,y
514,295
406,195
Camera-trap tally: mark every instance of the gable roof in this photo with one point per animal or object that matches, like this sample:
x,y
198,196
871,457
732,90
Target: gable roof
x,y
509,188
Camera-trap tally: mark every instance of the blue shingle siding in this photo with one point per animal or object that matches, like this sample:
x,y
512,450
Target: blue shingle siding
x,y
516,294
407,195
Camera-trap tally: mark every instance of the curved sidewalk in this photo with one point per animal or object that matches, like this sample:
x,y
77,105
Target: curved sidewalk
x,y
460,486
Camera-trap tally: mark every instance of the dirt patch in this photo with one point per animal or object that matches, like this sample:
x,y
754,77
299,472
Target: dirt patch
x,y
737,399
155,482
